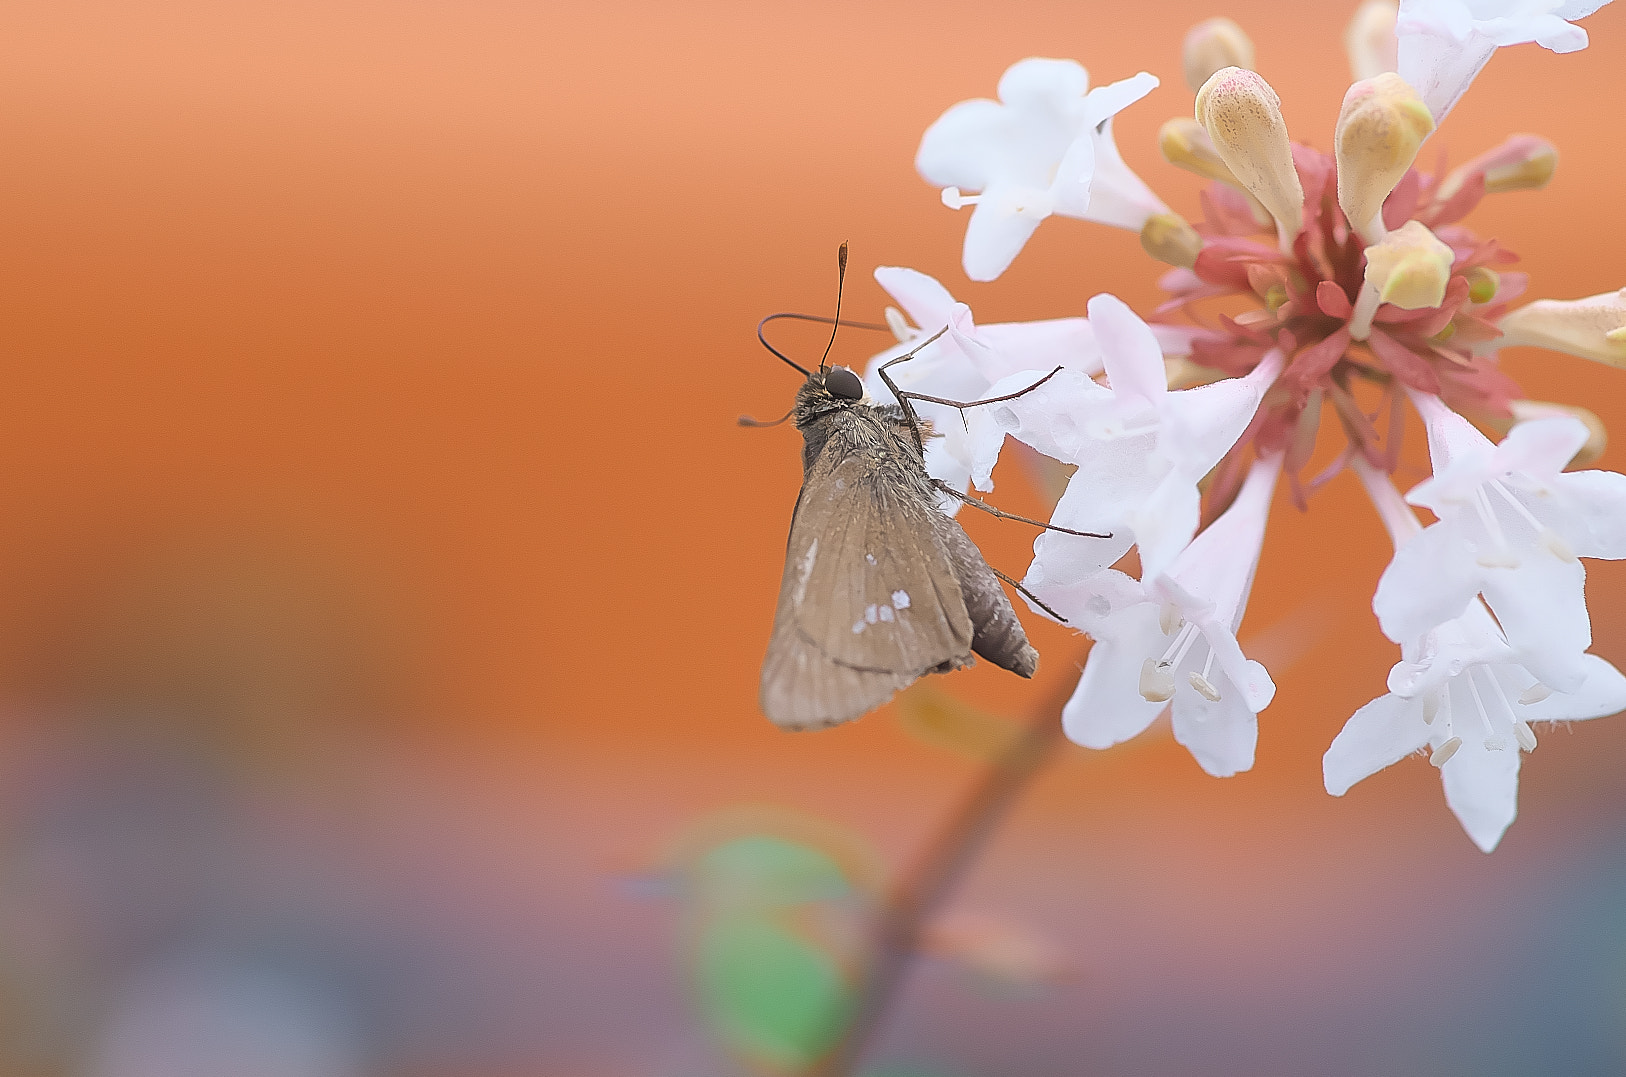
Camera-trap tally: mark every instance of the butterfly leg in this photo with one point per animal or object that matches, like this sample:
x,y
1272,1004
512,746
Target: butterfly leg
x,y
902,397
961,405
1003,515
1031,597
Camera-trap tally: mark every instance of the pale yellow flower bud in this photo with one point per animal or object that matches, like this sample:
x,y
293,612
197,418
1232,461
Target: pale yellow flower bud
x,y
1168,238
1410,267
1243,118
1592,328
1186,145
1211,45
1370,39
1380,128
1522,163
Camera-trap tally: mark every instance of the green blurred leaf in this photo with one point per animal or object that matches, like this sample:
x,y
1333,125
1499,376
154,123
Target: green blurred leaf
x,y
767,869
773,997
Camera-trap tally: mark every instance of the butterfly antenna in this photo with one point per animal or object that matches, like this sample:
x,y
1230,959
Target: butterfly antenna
x,y
806,373
841,281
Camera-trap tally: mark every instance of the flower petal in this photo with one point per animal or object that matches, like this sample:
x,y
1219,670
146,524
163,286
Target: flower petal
x,y
1541,447
1107,708
1000,227
1603,693
1043,346
1105,102
1070,188
1380,734
1043,84
1201,424
923,299
1482,788
1220,734
1133,358
1431,580
1590,512
1542,609
958,149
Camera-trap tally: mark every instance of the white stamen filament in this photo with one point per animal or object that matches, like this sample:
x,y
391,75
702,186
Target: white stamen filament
x,y
1551,540
1500,556
1526,735
1177,650
1494,741
1431,707
1366,306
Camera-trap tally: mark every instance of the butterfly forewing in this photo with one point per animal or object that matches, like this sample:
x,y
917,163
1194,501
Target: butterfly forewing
x,y
870,600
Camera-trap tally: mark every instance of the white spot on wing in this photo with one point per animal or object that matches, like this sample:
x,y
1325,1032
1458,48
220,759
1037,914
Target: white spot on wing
x,y
886,613
870,558
871,614
859,626
900,599
806,569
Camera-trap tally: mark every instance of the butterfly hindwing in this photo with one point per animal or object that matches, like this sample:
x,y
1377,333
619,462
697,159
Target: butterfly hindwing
x,y
871,597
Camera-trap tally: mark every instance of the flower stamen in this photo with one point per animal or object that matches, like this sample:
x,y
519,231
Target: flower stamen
x,y
1501,555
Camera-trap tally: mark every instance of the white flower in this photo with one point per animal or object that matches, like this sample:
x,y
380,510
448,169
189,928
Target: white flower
x,y
1140,447
1460,691
1175,639
966,361
1044,147
1443,44
1511,527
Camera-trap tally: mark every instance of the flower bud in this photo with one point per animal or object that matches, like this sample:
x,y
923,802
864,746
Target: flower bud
x,y
1483,283
1243,118
1186,145
1211,45
1370,39
1380,128
1168,238
1592,328
1410,267
1521,163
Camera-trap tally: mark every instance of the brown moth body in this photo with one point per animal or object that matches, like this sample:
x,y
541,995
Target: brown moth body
x,y
880,586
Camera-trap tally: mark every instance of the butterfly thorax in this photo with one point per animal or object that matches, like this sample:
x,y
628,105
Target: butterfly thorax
x,y
858,427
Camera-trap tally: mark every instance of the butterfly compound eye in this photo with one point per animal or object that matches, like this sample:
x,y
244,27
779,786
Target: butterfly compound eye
x,y
839,381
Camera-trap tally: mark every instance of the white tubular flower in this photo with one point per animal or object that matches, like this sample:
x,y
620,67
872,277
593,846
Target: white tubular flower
x,y
1512,527
1459,691
1592,328
965,361
1140,447
1443,44
1175,639
1044,147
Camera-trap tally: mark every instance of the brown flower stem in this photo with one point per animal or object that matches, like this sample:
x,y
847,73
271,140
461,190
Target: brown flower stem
x,y
923,890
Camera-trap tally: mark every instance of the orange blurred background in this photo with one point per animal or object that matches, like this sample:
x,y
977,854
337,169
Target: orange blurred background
x,y
367,414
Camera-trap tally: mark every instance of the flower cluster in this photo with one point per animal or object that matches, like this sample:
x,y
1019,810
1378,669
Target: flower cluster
x,y
1355,291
